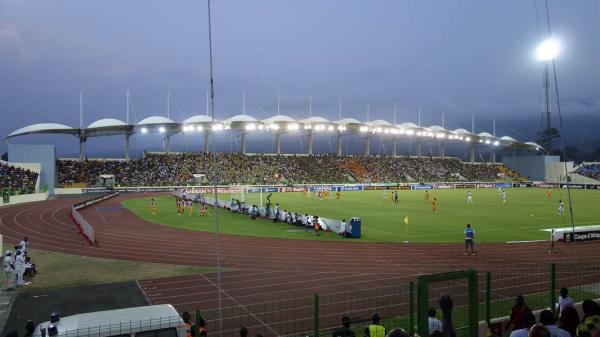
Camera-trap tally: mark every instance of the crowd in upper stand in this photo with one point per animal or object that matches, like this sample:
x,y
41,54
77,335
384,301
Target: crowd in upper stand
x,y
590,171
17,179
233,168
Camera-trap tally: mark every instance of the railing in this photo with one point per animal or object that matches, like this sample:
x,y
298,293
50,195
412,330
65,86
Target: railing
x,y
319,315
85,228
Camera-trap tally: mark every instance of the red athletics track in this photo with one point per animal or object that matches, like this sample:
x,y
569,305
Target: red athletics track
x,y
267,270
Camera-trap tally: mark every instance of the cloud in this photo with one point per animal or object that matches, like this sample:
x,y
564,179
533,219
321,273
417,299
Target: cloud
x,y
12,43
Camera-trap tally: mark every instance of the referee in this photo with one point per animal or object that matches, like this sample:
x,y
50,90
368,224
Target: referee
x,y
469,240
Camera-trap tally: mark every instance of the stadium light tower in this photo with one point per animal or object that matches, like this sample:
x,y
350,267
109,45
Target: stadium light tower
x,y
546,52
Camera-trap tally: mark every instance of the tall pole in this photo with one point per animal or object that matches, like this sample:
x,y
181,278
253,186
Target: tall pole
x,y
127,135
548,106
309,106
81,110
168,104
81,130
218,229
340,108
243,103
395,142
278,98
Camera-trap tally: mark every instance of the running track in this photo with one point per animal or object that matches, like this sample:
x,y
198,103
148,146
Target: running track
x,y
267,270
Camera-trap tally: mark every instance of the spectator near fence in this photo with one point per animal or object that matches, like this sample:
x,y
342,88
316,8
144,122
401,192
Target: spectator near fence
x,y
549,321
518,311
569,319
528,322
564,300
434,323
375,329
591,319
345,330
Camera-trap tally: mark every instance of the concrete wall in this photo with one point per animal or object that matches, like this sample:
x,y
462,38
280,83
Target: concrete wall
x,y
44,155
68,191
19,199
532,167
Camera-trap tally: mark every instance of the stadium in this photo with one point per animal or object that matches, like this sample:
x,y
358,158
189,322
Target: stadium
x,y
373,227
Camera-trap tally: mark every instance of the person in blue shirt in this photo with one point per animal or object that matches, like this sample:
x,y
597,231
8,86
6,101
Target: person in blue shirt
x,y
469,240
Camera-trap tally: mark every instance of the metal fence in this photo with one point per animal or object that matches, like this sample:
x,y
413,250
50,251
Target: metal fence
x,y
320,315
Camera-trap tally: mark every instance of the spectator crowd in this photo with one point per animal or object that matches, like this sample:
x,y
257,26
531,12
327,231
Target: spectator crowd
x,y
17,179
590,171
232,168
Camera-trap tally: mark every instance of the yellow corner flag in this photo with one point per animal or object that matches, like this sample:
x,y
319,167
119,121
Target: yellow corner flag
x,y
406,219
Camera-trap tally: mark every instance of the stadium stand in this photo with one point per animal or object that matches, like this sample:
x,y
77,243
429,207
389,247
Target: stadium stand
x,y
17,179
231,168
589,170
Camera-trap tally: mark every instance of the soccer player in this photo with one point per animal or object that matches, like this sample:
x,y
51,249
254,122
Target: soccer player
x,y
426,195
384,193
434,205
549,193
503,197
469,197
395,197
338,195
190,205
561,208
316,225
469,237
152,206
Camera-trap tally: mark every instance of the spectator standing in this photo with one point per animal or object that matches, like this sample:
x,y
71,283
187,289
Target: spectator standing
x,y
518,311
564,300
20,267
343,228
549,321
591,319
528,321
345,330
9,269
433,323
446,307
375,329
24,245
568,320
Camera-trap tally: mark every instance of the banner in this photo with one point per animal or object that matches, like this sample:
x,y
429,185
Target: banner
x,y
582,236
444,186
504,185
422,187
485,185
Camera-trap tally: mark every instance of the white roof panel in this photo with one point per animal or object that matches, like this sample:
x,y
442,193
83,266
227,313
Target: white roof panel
x,y
349,121
106,123
156,120
462,131
42,128
241,118
279,119
380,122
408,125
315,119
198,119
508,139
437,128
485,134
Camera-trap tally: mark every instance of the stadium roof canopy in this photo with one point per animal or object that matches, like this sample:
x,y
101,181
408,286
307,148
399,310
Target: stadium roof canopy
x,y
44,128
243,122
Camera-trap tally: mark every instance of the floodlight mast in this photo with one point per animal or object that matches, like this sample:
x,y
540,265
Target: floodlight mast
x,y
218,231
546,52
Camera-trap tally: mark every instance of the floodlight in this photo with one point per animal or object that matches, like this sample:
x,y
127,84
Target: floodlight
x,y
293,126
307,126
260,126
379,129
487,141
144,130
330,128
341,128
162,129
217,127
468,139
440,135
199,128
250,126
363,129
547,50
274,126
401,131
496,143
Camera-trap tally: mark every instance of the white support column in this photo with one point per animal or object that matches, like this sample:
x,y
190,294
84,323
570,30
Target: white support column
x,y
243,143
167,144
206,141
127,146
442,149
395,147
339,143
418,148
310,142
472,153
277,142
82,140
367,144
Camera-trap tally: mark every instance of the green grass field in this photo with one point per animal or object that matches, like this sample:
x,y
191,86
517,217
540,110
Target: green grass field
x,y
526,212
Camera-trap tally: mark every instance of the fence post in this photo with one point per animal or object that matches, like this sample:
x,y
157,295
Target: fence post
x,y
411,308
553,287
488,297
316,316
196,327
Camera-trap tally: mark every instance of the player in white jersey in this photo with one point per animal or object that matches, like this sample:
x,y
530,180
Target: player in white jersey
x,y
503,197
561,208
384,193
469,197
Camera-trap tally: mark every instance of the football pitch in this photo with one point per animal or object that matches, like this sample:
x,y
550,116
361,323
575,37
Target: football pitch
x,y
523,217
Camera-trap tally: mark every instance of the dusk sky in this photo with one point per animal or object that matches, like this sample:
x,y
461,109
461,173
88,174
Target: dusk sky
x,y
457,57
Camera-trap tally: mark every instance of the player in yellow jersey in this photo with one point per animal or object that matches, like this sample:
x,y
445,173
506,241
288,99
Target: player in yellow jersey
x,y
549,193
152,206
426,195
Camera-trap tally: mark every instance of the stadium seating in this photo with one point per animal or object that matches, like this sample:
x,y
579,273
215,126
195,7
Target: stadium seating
x,y
232,168
590,171
17,179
